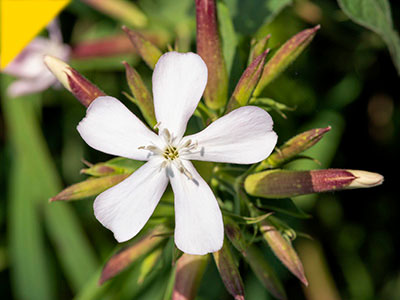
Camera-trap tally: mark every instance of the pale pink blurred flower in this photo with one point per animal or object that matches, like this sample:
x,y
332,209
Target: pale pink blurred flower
x,y
31,72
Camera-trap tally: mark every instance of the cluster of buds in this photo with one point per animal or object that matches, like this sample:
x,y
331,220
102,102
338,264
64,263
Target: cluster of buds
x,y
266,179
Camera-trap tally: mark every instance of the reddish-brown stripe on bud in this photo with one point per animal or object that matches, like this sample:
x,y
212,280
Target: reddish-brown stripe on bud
x,y
285,183
83,90
124,258
247,83
73,81
189,272
210,50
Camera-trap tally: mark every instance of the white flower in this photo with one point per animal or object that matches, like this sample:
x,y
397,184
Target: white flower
x,y
33,75
244,136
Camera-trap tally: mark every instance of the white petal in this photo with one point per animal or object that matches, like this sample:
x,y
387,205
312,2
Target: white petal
x,y
112,128
179,80
126,207
198,221
244,136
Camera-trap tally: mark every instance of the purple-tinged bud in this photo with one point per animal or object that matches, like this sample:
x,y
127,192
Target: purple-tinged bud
x,y
258,47
229,272
88,188
293,147
210,50
124,258
99,170
73,81
122,10
146,49
189,272
283,250
247,83
103,47
255,259
284,56
285,183
143,98
117,165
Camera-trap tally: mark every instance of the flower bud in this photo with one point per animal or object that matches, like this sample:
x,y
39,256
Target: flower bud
x,y
283,250
122,10
264,272
258,47
146,49
143,98
229,272
244,89
79,86
124,258
256,260
285,55
103,47
189,272
88,188
293,147
210,50
285,183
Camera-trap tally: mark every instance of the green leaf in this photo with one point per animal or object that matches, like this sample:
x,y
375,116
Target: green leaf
x,y
250,15
376,16
30,274
41,182
228,34
284,206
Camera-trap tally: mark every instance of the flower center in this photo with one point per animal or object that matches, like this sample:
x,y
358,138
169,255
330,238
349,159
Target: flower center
x,y
170,153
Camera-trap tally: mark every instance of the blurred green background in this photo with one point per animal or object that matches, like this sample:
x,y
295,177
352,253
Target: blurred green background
x,y
345,79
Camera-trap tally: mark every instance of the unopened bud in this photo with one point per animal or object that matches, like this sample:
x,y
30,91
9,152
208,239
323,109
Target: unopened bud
x,y
143,98
229,272
210,49
285,183
283,250
88,188
284,57
189,272
130,254
264,272
293,147
256,260
247,83
258,47
73,81
146,49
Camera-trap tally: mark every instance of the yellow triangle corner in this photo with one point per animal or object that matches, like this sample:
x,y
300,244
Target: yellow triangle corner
x,y
21,21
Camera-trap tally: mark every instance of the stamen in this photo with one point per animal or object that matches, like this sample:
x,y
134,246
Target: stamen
x,y
166,135
183,170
